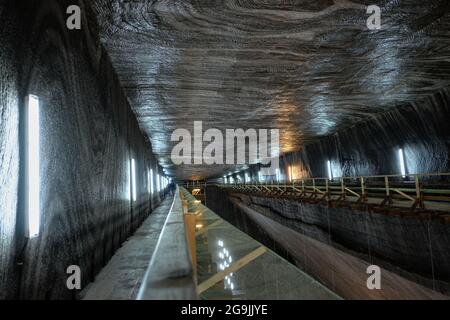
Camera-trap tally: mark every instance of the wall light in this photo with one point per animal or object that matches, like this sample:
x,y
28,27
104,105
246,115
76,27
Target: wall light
x,y
149,186
290,173
32,170
133,179
277,174
151,181
330,173
401,159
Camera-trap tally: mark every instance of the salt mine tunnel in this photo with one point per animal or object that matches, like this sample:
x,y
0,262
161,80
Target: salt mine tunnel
x,y
231,150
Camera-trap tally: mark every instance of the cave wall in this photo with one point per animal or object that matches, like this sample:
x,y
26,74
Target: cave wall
x,y
415,249
88,135
371,147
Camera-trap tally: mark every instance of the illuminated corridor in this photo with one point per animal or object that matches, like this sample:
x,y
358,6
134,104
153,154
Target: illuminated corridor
x,y
224,150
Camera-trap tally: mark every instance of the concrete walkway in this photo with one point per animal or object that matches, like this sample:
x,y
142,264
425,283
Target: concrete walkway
x,y
121,278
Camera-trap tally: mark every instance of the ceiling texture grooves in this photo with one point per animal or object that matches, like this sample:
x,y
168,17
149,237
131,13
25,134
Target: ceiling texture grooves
x,y
306,67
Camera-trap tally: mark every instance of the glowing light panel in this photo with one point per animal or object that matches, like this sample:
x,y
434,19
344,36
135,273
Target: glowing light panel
x,y
33,179
401,159
330,173
277,174
151,181
133,179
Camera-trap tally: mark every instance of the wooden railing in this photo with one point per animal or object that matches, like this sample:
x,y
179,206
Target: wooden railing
x,y
414,191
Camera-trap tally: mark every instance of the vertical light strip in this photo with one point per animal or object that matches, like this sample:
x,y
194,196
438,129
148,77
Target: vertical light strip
x,y
277,174
133,179
259,176
330,173
158,183
401,158
290,173
33,180
151,181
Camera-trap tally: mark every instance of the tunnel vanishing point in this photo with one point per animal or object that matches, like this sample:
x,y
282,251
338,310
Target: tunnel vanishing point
x,y
281,150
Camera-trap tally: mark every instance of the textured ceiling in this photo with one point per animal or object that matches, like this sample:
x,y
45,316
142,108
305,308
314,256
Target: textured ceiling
x,y
308,67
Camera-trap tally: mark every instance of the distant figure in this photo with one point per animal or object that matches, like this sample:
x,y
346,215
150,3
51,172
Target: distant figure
x,y
172,188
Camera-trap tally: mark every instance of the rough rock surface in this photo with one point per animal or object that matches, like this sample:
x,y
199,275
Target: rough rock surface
x,y
308,68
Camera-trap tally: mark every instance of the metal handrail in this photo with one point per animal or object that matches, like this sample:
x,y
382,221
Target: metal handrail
x,y
170,274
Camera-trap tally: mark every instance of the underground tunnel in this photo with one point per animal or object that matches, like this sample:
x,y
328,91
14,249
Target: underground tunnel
x,y
224,150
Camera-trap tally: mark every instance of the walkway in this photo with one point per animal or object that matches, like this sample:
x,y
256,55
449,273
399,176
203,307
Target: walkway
x,y
121,278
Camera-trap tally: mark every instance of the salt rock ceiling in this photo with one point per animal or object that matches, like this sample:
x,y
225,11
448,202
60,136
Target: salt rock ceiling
x,y
306,67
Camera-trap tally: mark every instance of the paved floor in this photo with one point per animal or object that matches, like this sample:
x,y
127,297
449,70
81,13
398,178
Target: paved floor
x,y
121,278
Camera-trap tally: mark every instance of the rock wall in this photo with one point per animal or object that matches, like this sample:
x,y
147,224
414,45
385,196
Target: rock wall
x,y
88,136
371,147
